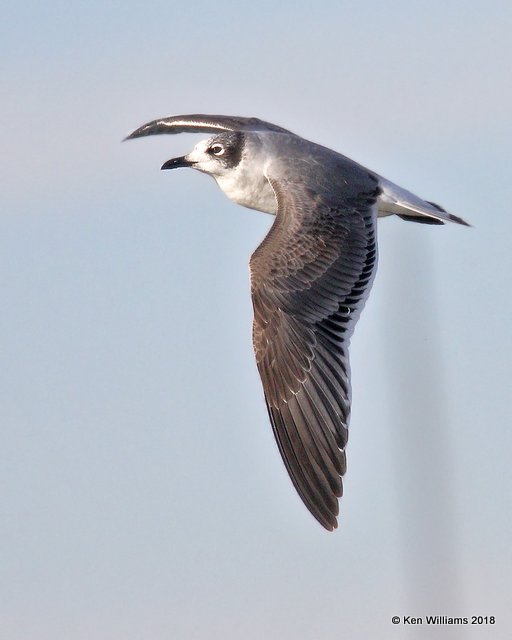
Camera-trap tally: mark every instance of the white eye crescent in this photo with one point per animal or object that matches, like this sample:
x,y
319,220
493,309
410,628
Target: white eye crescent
x,y
217,150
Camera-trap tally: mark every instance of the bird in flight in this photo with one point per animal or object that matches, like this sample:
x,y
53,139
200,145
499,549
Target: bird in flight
x,y
310,278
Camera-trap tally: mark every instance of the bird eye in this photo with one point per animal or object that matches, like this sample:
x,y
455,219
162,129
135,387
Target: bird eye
x,y
217,150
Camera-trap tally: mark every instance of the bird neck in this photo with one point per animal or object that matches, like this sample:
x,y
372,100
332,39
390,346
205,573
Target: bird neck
x,y
248,188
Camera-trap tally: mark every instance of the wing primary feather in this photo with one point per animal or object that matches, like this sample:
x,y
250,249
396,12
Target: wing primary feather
x,y
310,430
318,488
308,494
322,436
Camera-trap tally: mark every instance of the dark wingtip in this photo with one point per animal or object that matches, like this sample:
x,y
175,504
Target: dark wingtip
x,y
135,134
326,521
333,526
148,129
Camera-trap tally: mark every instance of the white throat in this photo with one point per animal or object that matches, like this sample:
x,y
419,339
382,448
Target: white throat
x,y
249,188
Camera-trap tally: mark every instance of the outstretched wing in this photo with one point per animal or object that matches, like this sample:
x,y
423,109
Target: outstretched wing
x,y
310,278
200,123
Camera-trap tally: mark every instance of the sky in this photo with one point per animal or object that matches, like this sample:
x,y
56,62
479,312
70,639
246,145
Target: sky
x,y
141,492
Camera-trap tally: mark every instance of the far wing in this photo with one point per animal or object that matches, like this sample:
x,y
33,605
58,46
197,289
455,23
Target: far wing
x,y
310,278
201,123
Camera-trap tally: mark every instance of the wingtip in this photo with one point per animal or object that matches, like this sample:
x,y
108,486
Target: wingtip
x,y
330,525
133,134
149,129
327,518
138,133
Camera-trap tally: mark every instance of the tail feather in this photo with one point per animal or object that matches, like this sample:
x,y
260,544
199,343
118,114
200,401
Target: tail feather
x,y
394,200
420,219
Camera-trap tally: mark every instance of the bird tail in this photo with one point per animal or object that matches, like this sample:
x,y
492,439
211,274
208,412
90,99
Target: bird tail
x,y
394,200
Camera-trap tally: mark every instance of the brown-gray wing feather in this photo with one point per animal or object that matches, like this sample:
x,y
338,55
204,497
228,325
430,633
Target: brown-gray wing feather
x,y
309,280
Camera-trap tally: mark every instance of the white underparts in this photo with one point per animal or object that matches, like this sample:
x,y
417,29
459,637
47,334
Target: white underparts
x,y
248,188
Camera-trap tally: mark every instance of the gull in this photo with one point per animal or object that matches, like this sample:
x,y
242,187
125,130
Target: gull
x,y
310,278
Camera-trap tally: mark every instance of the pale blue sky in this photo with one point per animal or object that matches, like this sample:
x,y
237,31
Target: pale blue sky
x,y
142,495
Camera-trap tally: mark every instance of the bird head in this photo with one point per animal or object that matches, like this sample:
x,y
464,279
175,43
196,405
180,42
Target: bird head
x,y
216,156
